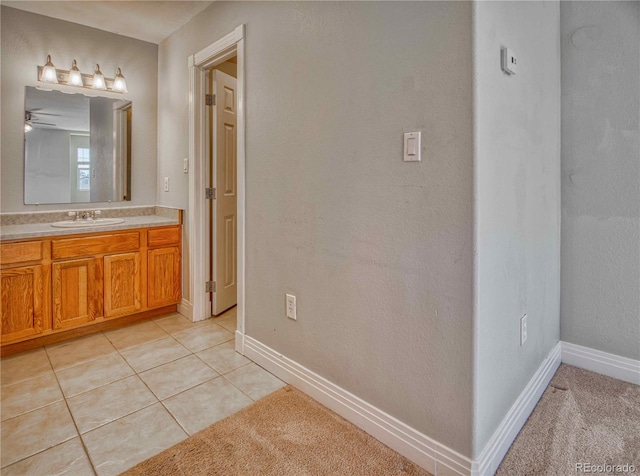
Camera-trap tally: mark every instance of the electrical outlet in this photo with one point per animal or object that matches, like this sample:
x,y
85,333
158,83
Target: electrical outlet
x,y
291,306
523,330
166,184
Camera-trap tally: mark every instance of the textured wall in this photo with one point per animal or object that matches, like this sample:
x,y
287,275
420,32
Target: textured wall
x,y
377,251
26,40
47,169
517,209
601,176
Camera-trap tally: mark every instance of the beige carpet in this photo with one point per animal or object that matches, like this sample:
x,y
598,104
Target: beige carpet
x,y
582,417
285,433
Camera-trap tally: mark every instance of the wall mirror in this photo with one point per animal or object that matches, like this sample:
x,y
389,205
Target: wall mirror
x,y
77,148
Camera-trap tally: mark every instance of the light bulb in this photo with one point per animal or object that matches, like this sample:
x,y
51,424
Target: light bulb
x,y
119,84
49,74
98,79
75,77
27,127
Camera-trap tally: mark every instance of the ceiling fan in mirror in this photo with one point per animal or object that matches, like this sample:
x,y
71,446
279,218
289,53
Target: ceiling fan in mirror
x,y
31,119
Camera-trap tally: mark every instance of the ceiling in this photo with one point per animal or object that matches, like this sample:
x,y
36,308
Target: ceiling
x,y
57,110
150,21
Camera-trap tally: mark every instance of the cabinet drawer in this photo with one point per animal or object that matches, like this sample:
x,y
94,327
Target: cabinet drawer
x,y
95,245
20,252
163,237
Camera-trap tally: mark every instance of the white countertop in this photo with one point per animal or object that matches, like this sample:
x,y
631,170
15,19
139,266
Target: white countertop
x,y
35,230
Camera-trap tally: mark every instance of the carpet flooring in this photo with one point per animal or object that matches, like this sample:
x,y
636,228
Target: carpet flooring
x,y
582,418
285,433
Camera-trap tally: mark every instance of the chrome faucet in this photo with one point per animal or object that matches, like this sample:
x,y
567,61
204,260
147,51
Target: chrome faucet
x,y
84,214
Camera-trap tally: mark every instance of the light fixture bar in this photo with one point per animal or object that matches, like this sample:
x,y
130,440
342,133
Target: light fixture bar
x,y
87,80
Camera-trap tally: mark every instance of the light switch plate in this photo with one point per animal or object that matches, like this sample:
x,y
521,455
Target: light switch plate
x,y
412,146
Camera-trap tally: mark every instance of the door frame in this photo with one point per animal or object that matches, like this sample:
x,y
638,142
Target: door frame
x,y
218,52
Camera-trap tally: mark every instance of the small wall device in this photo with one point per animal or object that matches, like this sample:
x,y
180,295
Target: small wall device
x,y
509,61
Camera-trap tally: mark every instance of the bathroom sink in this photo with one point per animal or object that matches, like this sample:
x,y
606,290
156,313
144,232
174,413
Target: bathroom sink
x,y
87,223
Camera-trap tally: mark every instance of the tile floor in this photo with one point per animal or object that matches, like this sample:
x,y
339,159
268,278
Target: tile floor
x,y
103,403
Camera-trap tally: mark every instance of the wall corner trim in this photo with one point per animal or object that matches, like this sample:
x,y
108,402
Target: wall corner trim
x,y
239,342
516,417
186,309
611,365
419,448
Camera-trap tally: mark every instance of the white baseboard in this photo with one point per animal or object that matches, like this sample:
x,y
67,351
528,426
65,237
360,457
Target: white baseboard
x,y
419,448
239,342
186,309
603,363
493,453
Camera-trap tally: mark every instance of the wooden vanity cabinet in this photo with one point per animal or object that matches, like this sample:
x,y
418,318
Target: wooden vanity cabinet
x,y
25,294
62,287
22,302
77,292
163,267
122,284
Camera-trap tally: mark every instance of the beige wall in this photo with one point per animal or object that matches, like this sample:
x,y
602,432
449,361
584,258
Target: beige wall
x,y
26,40
517,203
377,251
601,176
229,67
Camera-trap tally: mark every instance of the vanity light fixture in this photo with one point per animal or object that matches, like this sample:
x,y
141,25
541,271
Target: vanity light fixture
x,y
119,84
98,79
49,74
75,76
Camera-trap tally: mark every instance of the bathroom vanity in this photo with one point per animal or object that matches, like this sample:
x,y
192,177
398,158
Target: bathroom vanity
x,y
60,283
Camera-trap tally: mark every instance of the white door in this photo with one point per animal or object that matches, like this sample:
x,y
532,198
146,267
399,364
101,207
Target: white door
x,y
224,206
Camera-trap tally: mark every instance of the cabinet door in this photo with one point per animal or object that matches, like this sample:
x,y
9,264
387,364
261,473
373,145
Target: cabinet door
x,y
121,284
77,292
22,302
163,278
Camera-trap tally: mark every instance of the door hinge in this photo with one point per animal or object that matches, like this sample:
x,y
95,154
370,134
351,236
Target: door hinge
x,y
210,287
210,99
210,193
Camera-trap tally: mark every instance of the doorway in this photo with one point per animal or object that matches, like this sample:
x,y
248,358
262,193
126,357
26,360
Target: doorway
x,y
222,99
199,305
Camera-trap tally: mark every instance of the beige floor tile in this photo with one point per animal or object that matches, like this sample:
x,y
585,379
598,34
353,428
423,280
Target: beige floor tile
x,y
110,402
29,395
176,323
229,323
123,443
203,337
78,351
223,357
135,335
21,367
255,381
93,374
32,432
152,354
177,376
66,459
205,404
